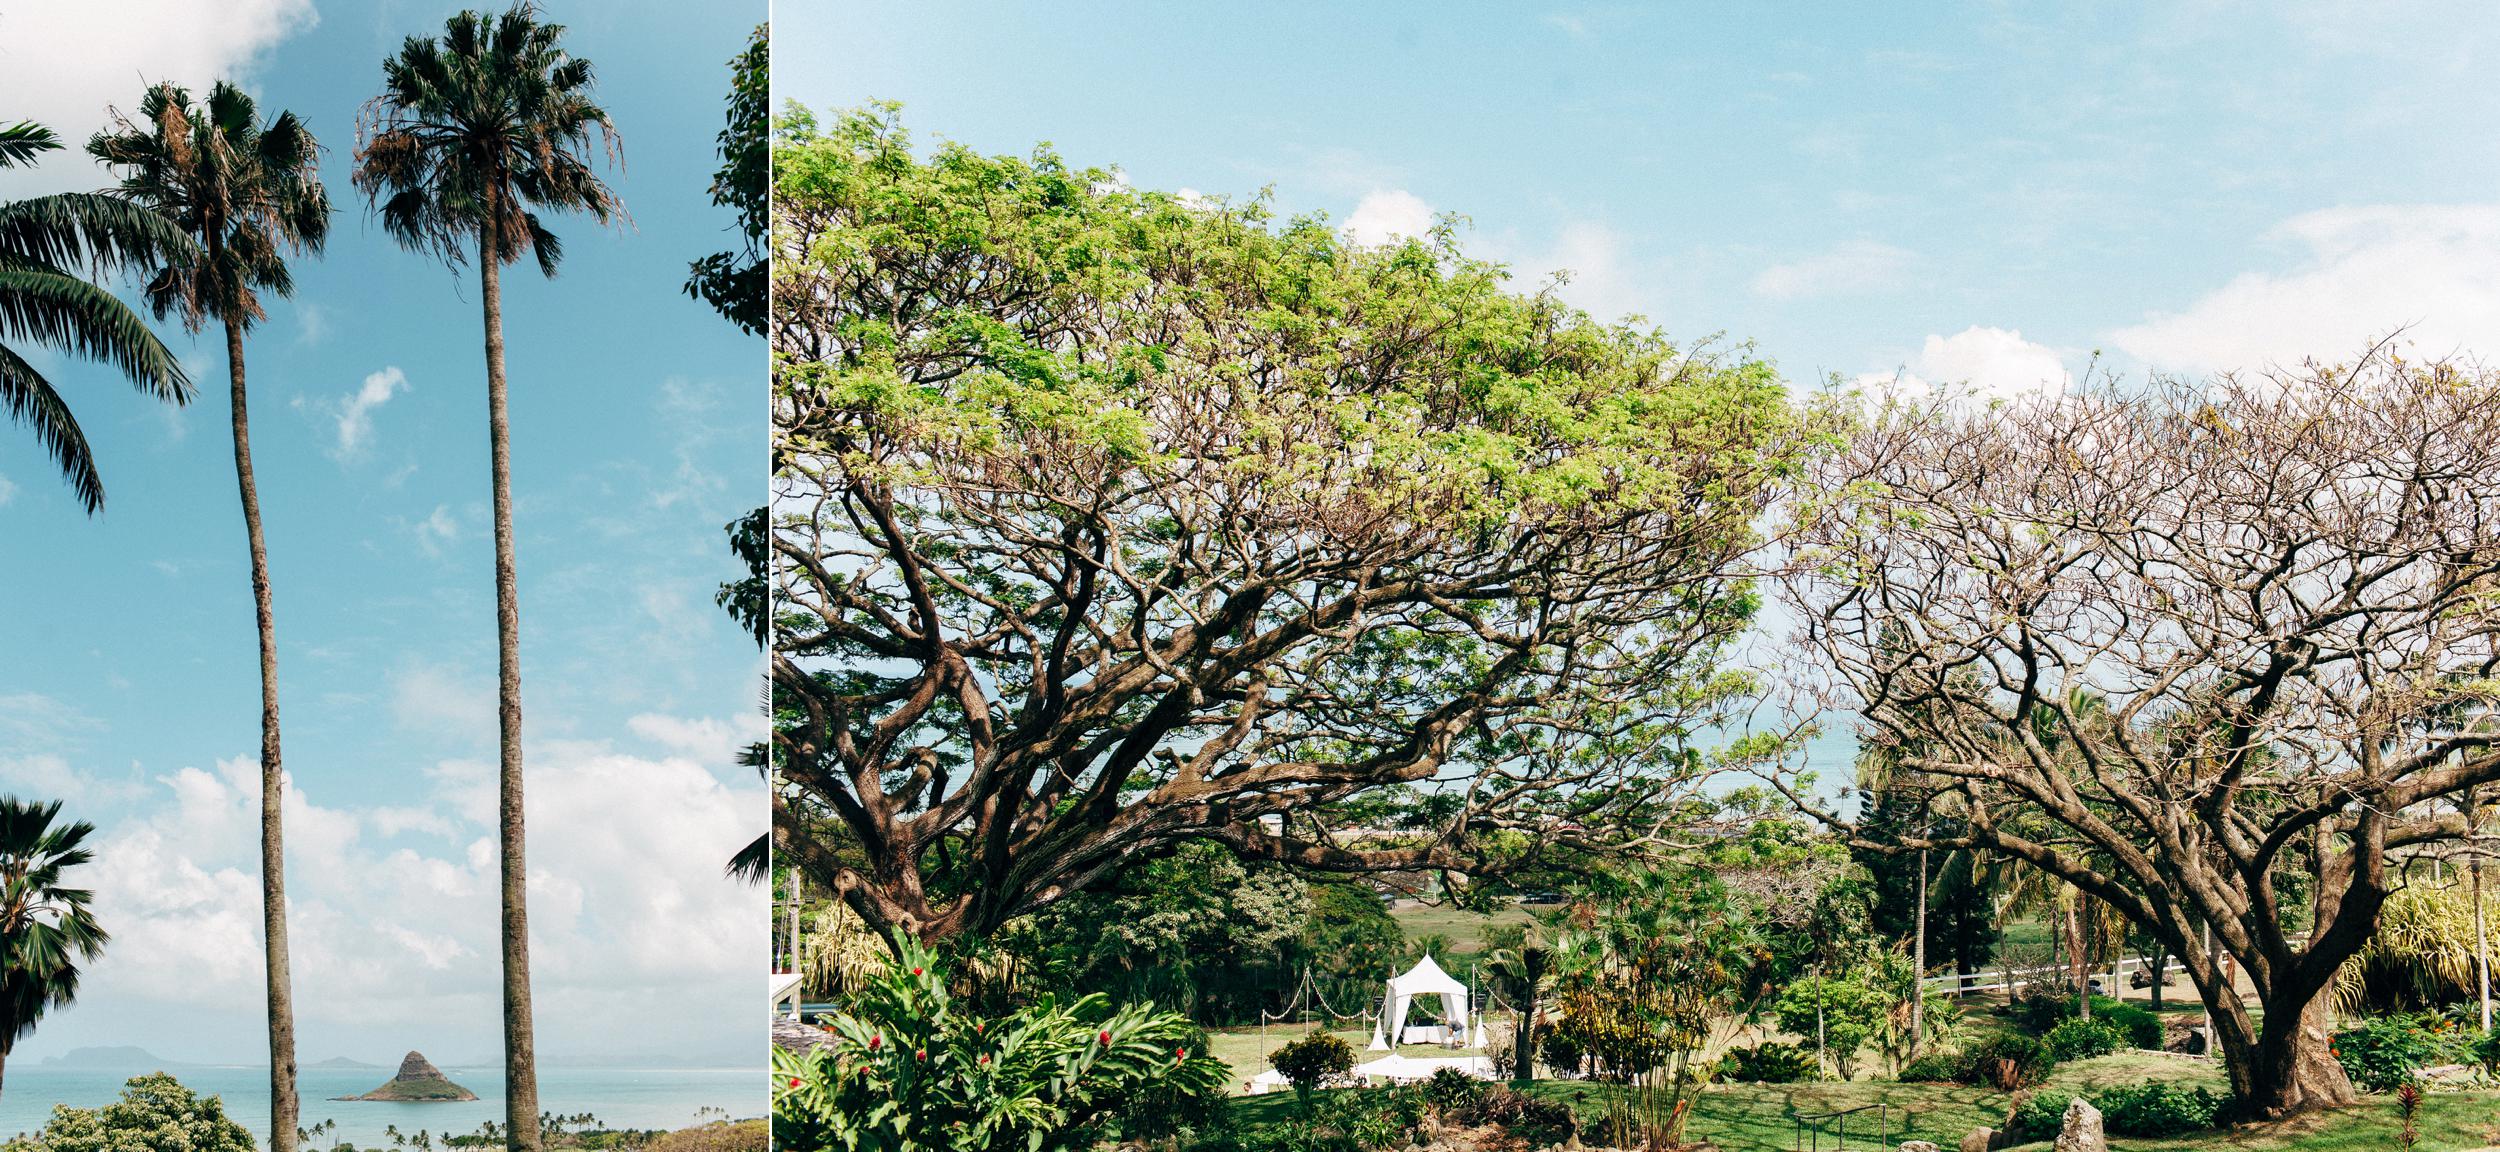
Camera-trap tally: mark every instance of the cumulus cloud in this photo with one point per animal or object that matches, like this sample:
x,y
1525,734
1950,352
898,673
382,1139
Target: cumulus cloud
x,y
638,941
67,84
1988,363
1853,267
2362,273
8,490
1387,216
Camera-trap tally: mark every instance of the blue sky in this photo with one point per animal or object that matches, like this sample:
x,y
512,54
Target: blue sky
x,y
1986,192
129,687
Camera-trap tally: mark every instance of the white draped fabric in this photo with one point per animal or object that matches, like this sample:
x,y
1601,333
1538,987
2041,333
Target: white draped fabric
x,y
1425,979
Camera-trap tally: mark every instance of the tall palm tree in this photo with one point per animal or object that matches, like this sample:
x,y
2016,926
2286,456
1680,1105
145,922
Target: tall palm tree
x,y
45,927
50,247
249,194
473,133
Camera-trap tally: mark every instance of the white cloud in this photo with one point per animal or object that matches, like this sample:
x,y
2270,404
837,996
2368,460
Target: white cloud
x,y
1854,266
706,740
355,413
8,490
1389,215
1589,257
438,529
2365,272
637,938
64,79
1991,363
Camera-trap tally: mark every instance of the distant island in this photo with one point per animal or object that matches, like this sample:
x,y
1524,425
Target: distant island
x,y
112,1059
418,1082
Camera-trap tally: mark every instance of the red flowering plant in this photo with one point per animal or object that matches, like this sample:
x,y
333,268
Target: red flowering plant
x,y
907,1072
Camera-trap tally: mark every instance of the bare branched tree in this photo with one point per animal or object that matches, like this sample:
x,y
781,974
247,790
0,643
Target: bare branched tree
x,y
2200,652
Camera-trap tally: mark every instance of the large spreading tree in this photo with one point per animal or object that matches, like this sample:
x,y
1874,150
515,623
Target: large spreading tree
x,y
2209,653
1108,520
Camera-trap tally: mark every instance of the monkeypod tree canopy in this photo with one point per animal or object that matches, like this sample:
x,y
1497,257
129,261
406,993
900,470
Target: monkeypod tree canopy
x,y
2209,652
1109,519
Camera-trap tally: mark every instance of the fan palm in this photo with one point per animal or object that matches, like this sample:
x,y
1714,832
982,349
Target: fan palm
x,y
249,194
45,927
46,242
474,133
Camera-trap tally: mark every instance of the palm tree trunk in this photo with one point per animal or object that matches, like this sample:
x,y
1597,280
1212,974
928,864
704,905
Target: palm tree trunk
x,y
520,1055
283,1109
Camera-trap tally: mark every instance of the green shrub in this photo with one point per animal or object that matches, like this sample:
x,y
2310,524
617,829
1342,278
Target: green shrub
x,y
1771,1062
1312,1061
1538,1122
1560,1051
2384,1052
2039,1115
2158,1108
1452,1090
2081,1039
2485,1050
2010,1061
1163,1107
154,1111
2037,1013
1937,1068
905,1069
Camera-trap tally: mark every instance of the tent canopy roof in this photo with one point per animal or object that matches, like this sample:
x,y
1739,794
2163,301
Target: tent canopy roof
x,y
1424,979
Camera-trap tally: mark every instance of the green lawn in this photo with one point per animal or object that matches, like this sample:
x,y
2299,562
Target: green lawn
x,y
1465,929
1761,1117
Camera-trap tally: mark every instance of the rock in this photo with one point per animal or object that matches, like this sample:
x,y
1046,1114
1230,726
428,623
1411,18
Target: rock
x,y
1917,1146
1979,1140
2081,1129
418,1082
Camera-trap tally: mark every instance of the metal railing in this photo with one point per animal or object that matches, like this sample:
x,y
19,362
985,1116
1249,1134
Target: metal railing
x,y
1810,1132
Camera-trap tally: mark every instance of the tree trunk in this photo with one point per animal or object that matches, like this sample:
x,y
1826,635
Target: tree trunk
x,y
1523,1051
2160,969
2291,1069
2077,960
520,1055
283,1107
1918,963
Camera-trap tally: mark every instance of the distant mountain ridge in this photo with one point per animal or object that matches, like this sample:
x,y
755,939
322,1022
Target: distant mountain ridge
x,y
116,1056
347,1062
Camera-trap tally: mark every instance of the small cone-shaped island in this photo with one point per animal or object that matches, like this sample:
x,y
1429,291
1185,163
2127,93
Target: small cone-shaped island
x,y
419,1081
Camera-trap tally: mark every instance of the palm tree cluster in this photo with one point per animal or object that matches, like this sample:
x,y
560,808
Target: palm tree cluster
x,y
477,138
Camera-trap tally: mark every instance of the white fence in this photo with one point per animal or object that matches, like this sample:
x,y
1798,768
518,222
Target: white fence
x,y
1996,980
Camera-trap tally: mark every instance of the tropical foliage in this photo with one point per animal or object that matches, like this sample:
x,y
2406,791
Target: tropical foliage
x,y
49,248
904,1071
46,927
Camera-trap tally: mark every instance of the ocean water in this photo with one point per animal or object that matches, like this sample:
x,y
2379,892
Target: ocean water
x,y
621,1098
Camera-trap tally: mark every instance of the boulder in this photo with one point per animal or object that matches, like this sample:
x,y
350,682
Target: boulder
x,y
1979,1140
2080,1131
1917,1146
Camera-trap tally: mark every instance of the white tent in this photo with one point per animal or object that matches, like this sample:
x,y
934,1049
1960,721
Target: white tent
x,y
1424,979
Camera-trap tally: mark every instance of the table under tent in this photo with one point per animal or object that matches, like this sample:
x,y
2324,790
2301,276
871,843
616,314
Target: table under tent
x,y
1454,1026
1425,981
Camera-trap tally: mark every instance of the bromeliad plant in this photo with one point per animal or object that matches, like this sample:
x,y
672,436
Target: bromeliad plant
x,y
907,1072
